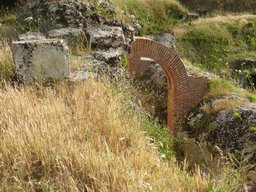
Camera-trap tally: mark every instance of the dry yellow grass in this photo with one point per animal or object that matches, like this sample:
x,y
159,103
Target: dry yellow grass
x,y
79,137
220,104
7,70
76,62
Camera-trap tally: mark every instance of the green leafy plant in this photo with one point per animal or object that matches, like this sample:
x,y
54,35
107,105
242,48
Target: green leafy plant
x,y
237,115
250,24
212,127
124,61
190,23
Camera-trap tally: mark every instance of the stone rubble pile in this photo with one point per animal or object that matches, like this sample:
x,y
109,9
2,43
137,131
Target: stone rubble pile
x,y
73,20
76,23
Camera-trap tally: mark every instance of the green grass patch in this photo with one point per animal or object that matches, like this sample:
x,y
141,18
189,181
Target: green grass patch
x,y
153,16
220,87
214,43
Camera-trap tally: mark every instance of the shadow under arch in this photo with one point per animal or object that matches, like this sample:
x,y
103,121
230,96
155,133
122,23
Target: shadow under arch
x,y
181,97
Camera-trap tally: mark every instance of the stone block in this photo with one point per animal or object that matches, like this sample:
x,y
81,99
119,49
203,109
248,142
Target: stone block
x,y
31,36
104,36
41,59
110,56
72,36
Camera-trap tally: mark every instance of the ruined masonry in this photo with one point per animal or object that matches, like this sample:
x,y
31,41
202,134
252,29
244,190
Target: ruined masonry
x,y
184,91
41,59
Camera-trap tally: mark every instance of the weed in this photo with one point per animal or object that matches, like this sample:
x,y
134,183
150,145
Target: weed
x,y
212,42
250,24
124,61
190,23
212,127
237,115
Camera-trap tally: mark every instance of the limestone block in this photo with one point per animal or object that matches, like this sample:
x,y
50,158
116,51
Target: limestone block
x,y
73,36
110,56
41,59
31,36
164,38
105,36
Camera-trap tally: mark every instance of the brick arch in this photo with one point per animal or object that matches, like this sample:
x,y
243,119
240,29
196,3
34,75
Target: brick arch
x,y
184,91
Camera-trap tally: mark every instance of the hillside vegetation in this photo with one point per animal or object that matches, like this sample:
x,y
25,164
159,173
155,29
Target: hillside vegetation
x,y
65,136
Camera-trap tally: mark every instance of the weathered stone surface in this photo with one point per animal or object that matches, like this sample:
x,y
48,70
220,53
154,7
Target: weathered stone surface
x,y
81,75
68,19
244,71
232,130
71,35
39,59
96,68
109,56
53,15
31,36
164,38
105,36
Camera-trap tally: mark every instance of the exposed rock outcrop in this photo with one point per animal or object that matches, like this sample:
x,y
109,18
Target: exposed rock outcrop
x,y
233,130
229,132
164,38
244,70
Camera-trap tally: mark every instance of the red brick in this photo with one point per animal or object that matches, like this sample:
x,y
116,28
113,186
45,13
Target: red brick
x,y
183,91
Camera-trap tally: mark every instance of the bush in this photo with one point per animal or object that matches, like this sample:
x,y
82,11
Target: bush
x,y
250,24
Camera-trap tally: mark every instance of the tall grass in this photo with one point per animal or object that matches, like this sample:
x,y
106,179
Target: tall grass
x,y
7,70
76,138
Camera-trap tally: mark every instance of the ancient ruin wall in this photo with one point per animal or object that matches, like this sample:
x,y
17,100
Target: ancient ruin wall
x,y
184,91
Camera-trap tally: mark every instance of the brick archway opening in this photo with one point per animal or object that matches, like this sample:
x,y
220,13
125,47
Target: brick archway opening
x,y
153,88
184,91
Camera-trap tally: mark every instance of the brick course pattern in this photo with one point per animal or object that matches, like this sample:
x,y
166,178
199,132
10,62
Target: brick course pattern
x,y
184,91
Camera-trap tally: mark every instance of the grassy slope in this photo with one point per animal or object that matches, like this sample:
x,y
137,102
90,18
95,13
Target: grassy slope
x,y
214,43
153,16
81,136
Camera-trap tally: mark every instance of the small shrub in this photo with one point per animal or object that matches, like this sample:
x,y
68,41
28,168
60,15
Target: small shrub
x,y
237,115
212,127
250,24
253,128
